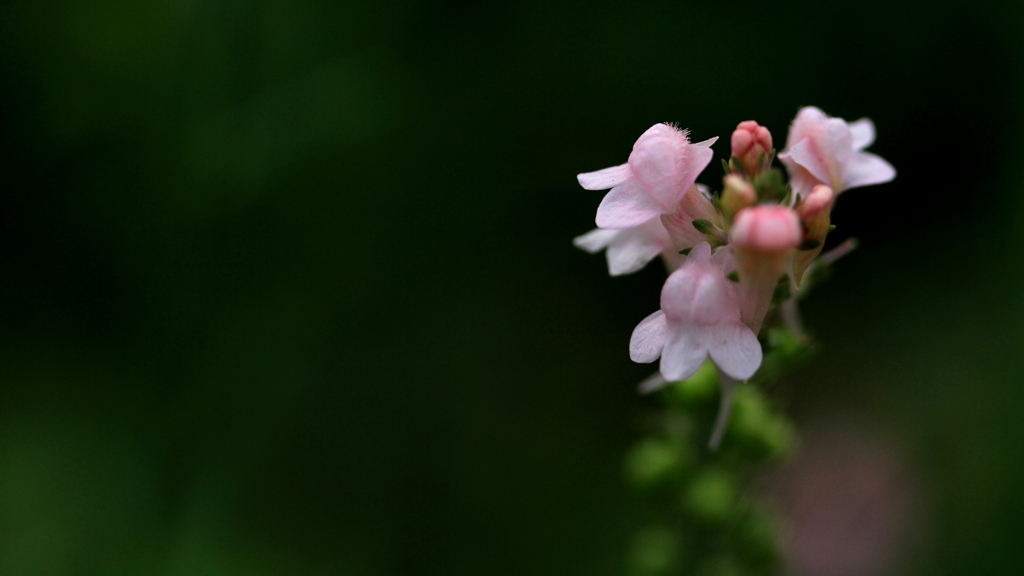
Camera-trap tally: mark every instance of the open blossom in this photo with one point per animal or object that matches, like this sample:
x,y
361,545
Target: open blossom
x,y
699,317
663,166
823,150
630,249
763,241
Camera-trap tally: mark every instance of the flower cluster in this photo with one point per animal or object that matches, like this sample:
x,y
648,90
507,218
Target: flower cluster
x,y
730,252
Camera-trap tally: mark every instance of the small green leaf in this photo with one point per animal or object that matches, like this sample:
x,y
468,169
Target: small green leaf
x,y
734,276
831,227
703,226
685,251
737,165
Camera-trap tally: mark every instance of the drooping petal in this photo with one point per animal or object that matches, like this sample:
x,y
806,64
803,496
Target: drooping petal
x,y
865,169
735,350
649,338
685,352
605,179
625,206
633,248
805,154
863,132
595,240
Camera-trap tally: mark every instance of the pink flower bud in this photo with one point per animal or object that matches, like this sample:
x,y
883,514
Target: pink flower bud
x,y
751,144
737,194
766,229
815,213
763,241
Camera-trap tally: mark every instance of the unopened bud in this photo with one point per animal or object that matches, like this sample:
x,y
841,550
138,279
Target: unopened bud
x,y
766,229
737,194
763,239
752,146
815,213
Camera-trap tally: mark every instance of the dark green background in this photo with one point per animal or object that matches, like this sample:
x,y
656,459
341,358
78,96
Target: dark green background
x,y
286,286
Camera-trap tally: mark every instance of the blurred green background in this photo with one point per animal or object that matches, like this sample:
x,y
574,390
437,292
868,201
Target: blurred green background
x,y
287,287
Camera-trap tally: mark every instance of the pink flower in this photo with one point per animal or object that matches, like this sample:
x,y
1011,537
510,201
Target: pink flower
x,y
763,241
661,168
699,317
823,150
630,249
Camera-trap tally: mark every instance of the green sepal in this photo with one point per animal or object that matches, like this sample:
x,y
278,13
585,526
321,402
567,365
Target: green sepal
x,y
704,227
685,251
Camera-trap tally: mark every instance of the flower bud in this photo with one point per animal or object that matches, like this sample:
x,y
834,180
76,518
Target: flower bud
x,y
815,213
763,240
737,194
752,145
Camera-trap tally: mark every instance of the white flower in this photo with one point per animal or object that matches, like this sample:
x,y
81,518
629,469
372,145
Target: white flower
x,y
663,166
823,150
699,317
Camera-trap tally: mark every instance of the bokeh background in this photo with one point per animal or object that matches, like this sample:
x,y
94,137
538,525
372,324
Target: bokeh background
x,y
286,286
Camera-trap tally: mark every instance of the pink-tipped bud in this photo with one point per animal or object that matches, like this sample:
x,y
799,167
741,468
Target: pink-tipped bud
x,y
815,213
751,145
767,229
763,241
737,194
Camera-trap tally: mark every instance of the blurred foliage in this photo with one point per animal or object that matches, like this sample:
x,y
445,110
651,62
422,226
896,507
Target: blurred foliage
x,y
286,287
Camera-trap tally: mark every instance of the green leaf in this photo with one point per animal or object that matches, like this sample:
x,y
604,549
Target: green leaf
x,y
685,251
703,226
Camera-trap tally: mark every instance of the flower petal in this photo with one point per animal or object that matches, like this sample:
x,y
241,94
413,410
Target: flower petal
x,y
863,132
684,352
649,338
706,143
804,154
724,260
605,179
633,248
735,350
595,240
865,169
696,160
625,206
